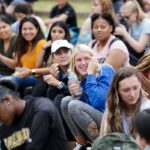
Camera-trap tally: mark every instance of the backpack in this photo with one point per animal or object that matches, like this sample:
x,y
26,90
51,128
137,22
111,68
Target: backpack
x,y
115,141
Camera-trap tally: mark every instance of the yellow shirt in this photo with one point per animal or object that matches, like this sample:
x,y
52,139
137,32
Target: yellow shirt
x,y
30,57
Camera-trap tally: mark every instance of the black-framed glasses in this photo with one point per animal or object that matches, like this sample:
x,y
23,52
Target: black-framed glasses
x,y
127,17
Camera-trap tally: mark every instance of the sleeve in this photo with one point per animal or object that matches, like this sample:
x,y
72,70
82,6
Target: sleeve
x,y
97,88
146,27
69,11
39,47
52,13
39,131
119,45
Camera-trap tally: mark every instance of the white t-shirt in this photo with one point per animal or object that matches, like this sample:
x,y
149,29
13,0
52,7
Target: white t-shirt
x,y
128,120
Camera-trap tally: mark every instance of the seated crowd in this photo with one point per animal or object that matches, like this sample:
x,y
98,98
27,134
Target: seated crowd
x,y
60,84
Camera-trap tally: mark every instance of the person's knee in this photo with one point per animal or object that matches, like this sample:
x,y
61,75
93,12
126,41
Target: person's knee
x,y
74,107
64,103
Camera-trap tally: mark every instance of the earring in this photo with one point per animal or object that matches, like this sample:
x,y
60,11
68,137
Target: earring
x,y
8,103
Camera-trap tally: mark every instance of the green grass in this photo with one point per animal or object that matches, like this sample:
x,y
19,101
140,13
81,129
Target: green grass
x,y
79,6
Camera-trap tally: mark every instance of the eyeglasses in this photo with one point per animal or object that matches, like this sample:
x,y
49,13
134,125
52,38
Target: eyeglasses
x,y
127,17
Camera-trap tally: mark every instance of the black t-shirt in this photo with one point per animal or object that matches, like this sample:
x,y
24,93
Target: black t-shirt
x,y
4,69
38,128
69,11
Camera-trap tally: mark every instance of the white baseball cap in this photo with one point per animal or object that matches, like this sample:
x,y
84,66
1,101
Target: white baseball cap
x,y
56,45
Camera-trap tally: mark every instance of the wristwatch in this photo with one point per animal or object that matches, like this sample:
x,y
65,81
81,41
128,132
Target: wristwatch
x,y
33,72
61,85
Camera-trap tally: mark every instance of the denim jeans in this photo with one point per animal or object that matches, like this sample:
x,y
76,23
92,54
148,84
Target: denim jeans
x,y
22,83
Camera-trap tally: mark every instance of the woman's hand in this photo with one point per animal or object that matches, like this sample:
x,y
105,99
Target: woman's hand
x,y
54,70
46,45
74,87
51,80
93,66
22,72
120,30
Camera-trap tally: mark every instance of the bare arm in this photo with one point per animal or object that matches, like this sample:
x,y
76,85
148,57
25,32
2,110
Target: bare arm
x,y
137,45
10,62
116,63
86,27
42,53
50,21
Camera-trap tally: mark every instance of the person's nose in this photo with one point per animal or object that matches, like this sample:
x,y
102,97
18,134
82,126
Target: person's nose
x,y
132,93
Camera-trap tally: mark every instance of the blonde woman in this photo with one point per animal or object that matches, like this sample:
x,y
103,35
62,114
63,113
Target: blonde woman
x,y
82,114
139,31
124,100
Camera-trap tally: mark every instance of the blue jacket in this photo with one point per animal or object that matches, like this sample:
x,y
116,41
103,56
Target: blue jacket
x,y
95,88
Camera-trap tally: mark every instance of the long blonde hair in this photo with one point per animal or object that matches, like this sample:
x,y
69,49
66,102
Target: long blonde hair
x,y
133,6
76,50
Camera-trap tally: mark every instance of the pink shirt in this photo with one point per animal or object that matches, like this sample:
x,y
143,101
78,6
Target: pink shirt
x,y
116,45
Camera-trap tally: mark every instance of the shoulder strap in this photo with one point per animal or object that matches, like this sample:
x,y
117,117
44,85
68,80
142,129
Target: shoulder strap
x,y
112,41
94,42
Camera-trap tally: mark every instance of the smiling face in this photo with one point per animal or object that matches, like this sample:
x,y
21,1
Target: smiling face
x,y
62,56
57,33
5,30
102,29
129,90
82,60
29,31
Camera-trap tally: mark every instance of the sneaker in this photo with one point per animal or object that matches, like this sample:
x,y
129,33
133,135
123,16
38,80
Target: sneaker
x,y
88,148
79,147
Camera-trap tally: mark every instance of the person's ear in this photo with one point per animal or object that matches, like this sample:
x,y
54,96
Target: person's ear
x,y
8,99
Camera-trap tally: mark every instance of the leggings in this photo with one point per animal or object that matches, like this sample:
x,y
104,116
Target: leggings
x,y
79,116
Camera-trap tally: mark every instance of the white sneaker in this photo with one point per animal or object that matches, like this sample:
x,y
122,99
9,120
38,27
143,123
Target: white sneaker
x,y
89,148
79,147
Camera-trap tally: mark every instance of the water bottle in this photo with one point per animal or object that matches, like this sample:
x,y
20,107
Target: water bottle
x,y
72,77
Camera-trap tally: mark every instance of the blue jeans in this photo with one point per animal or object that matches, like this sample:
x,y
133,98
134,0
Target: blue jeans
x,y
22,83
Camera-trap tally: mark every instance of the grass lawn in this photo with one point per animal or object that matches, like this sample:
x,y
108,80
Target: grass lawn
x,y
83,6
79,6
